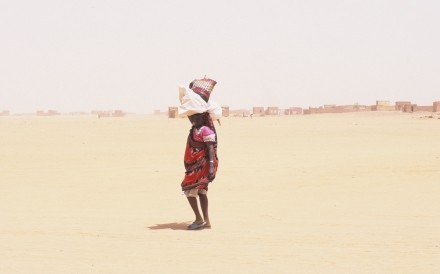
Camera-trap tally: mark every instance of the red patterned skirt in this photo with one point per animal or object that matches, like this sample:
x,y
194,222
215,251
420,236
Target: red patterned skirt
x,y
196,162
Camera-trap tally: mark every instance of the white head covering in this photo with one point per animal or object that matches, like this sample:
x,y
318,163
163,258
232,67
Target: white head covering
x,y
192,103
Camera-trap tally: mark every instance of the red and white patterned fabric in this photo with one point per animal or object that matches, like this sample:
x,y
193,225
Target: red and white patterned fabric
x,y
203,87
196,158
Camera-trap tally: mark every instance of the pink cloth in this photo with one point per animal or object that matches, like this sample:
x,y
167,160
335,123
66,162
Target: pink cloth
x,y
204,134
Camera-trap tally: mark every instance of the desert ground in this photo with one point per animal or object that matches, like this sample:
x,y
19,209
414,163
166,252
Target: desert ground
x,y
325,193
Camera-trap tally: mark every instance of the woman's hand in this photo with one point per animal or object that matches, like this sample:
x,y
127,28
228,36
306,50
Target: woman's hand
x,y
211,172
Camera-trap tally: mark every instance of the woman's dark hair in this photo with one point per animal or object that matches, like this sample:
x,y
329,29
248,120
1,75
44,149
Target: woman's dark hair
x,y
191,85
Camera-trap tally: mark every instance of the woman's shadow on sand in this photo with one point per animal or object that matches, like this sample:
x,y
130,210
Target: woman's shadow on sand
x,y
173,226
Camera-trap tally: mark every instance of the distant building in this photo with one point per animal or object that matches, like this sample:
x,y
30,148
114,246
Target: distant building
x,y
272,111
173,112
384,106
436,106
296,111
410,108
118,113
382,103
258,111
401,105
414,108
225,111
312,110
293,111
425,108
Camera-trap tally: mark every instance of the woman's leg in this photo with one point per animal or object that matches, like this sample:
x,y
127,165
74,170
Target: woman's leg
x,y
204,206
193,202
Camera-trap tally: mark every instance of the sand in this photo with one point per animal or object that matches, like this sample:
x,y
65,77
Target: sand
x,y
327,193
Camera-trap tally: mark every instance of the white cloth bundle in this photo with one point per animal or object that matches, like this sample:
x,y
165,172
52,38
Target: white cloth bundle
x,y
191,103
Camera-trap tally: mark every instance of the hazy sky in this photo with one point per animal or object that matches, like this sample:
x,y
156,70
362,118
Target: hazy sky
x,y
82,55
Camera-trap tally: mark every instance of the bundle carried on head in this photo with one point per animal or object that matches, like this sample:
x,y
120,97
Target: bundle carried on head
x,y
196,100
203,87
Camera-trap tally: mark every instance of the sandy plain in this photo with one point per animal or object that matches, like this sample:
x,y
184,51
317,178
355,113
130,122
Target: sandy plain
x,y
328,193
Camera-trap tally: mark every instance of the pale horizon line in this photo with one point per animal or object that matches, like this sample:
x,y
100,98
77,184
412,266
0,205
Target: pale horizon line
x,y
155,110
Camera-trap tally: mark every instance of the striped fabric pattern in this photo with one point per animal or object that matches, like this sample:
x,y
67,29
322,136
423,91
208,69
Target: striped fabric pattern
x,y
203,87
